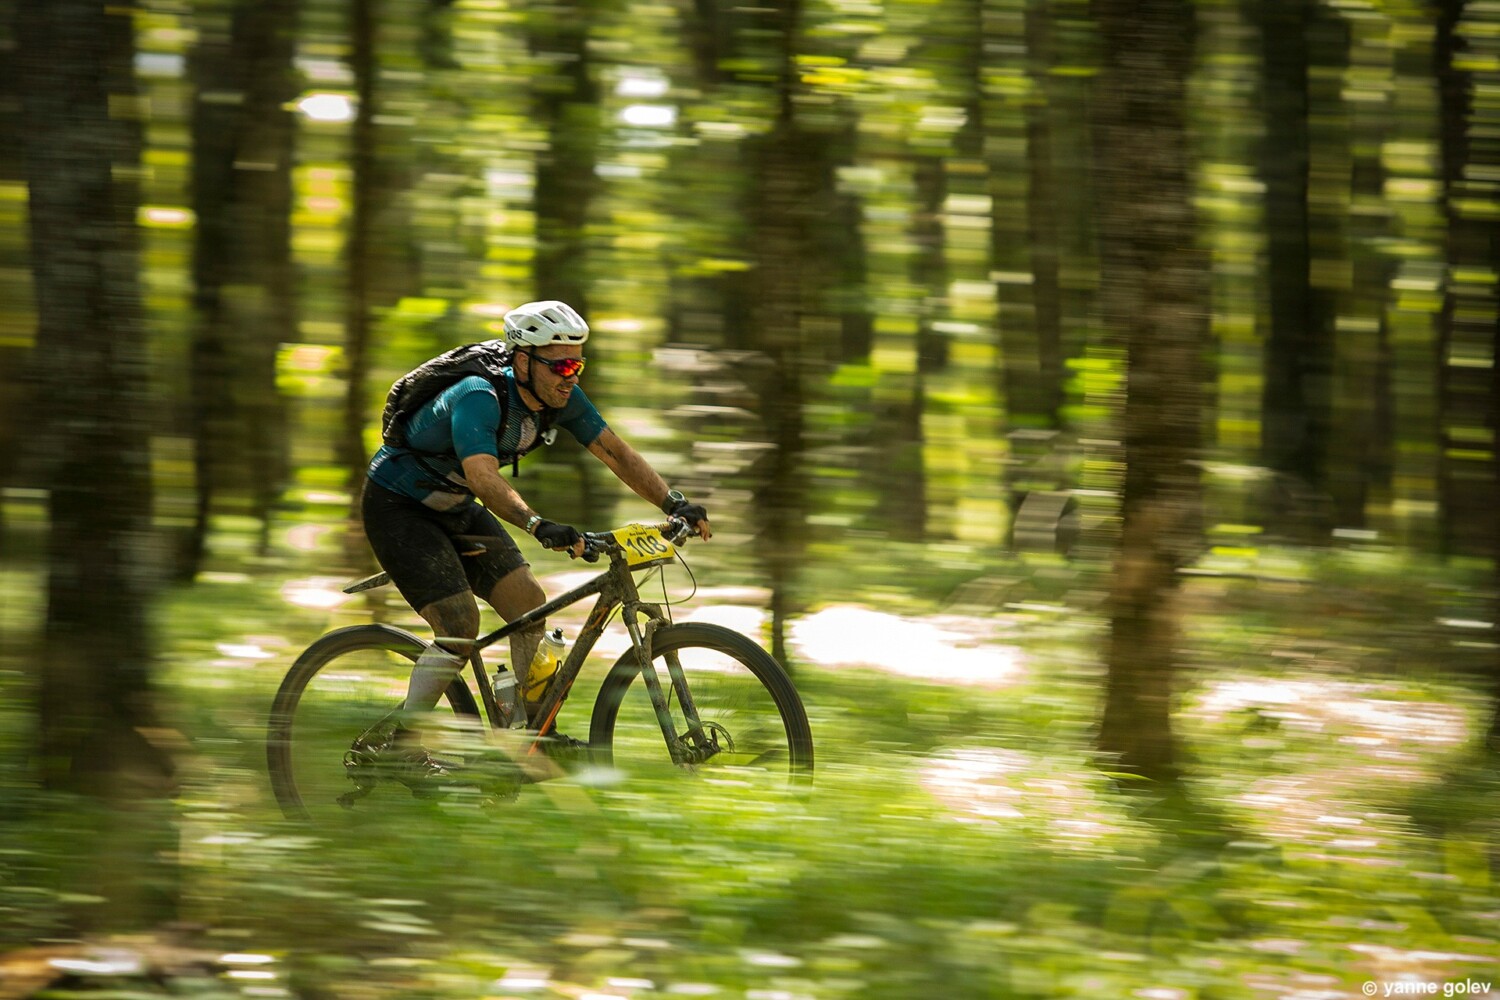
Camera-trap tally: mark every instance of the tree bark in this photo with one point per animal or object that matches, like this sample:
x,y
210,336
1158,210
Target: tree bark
x,y
795,283
779,248
244,279
359,245
1042,222
16,392
1469,324
96,710
1467,471
1295,402
1154,295
566,104
1024,359
784,190
1297,395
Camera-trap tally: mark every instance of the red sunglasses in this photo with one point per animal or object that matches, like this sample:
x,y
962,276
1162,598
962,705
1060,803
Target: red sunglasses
x,y
562,367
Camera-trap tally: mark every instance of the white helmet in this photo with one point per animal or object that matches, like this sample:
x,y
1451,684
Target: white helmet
x,y
537,324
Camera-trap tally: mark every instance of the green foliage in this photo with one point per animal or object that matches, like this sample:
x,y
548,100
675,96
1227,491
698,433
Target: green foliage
x,y
958,839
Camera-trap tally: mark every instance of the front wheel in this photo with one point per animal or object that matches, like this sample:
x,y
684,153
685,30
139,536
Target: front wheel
x,y
751,721
338,704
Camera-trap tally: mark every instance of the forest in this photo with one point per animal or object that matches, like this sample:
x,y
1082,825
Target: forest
x,y
1096,405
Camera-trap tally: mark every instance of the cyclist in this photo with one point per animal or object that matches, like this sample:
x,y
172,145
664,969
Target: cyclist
x,y
417,498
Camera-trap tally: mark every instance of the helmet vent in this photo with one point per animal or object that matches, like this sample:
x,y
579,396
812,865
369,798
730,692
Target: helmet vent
x,y
538,324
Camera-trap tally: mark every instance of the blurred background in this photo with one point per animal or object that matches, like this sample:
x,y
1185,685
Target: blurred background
x,y
1095,404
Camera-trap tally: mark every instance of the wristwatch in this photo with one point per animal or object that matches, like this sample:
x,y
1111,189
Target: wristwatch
x,y
674,497
532,522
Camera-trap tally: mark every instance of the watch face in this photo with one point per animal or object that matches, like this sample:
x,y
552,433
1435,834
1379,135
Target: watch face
x,y
673,496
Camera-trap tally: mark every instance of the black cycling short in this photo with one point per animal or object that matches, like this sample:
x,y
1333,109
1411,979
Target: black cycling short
x,y
414,544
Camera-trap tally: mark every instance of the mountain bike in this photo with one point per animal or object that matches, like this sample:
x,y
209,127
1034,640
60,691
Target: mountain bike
x,y
708,698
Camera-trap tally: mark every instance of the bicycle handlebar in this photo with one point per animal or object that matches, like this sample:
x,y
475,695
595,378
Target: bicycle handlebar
x,y
597,543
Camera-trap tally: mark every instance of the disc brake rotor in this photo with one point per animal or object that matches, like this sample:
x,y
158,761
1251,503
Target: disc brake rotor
x,y
718,741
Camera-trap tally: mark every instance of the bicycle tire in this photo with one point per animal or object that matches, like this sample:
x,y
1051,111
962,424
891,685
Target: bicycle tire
x,y
282,756
714,651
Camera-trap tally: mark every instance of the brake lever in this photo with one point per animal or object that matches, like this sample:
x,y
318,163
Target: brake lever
x,y
592,547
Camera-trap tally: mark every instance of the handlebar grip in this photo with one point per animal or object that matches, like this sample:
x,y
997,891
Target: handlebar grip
x,y
593,546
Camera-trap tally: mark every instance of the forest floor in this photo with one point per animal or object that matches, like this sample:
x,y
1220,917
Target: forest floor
x,y
1341,826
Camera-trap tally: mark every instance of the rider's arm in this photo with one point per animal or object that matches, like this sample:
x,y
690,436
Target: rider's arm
x,y
476,420
634,471
482,473
475,423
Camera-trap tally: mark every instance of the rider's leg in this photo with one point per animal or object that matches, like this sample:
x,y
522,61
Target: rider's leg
x,y
455,623
513,595
415,545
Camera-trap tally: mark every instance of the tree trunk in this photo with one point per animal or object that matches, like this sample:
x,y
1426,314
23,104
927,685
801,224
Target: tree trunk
x,y
779,254
268,29
1024,383
244,281
96,710
1155,304
784,188
1469,324
16,396
566,105
359,245
1296,402
1042,223
794,284
210,397
1492,737
898,424
1467,476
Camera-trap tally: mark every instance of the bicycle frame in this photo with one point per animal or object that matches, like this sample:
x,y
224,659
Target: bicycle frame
x,y
615,587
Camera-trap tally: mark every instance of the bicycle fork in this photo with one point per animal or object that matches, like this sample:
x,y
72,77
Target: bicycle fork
x,y
699,742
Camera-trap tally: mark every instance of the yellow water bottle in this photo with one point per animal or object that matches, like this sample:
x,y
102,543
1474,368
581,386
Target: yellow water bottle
x,y
549,656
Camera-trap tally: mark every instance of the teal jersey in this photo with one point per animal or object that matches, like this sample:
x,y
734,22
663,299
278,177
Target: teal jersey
x,y
464,420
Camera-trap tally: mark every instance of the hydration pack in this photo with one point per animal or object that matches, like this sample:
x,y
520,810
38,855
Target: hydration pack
x,y
422,384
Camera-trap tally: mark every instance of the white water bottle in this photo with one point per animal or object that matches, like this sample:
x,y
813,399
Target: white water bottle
x,y
507,699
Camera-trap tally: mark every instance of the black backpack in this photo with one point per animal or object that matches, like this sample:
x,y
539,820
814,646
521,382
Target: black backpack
x,y
422,385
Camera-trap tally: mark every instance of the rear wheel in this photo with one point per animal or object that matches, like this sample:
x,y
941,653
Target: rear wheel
x,y
753,725
337,705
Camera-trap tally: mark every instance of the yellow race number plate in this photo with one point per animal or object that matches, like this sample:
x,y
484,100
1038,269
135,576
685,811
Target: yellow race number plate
x,y
643,544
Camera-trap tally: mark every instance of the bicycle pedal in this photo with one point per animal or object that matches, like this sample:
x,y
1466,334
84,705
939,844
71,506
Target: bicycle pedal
x,y
348,799
360,769
494,798
426,793
555,742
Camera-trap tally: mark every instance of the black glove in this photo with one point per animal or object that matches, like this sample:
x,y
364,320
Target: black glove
x,y
556,536
692,513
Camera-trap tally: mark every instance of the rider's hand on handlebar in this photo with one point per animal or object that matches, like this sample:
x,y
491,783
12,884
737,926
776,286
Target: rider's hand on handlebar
x,y
559,536
695,516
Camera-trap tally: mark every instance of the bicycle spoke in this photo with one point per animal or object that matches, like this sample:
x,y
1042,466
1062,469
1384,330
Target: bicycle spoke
x,y
749,721
336,714
344,719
